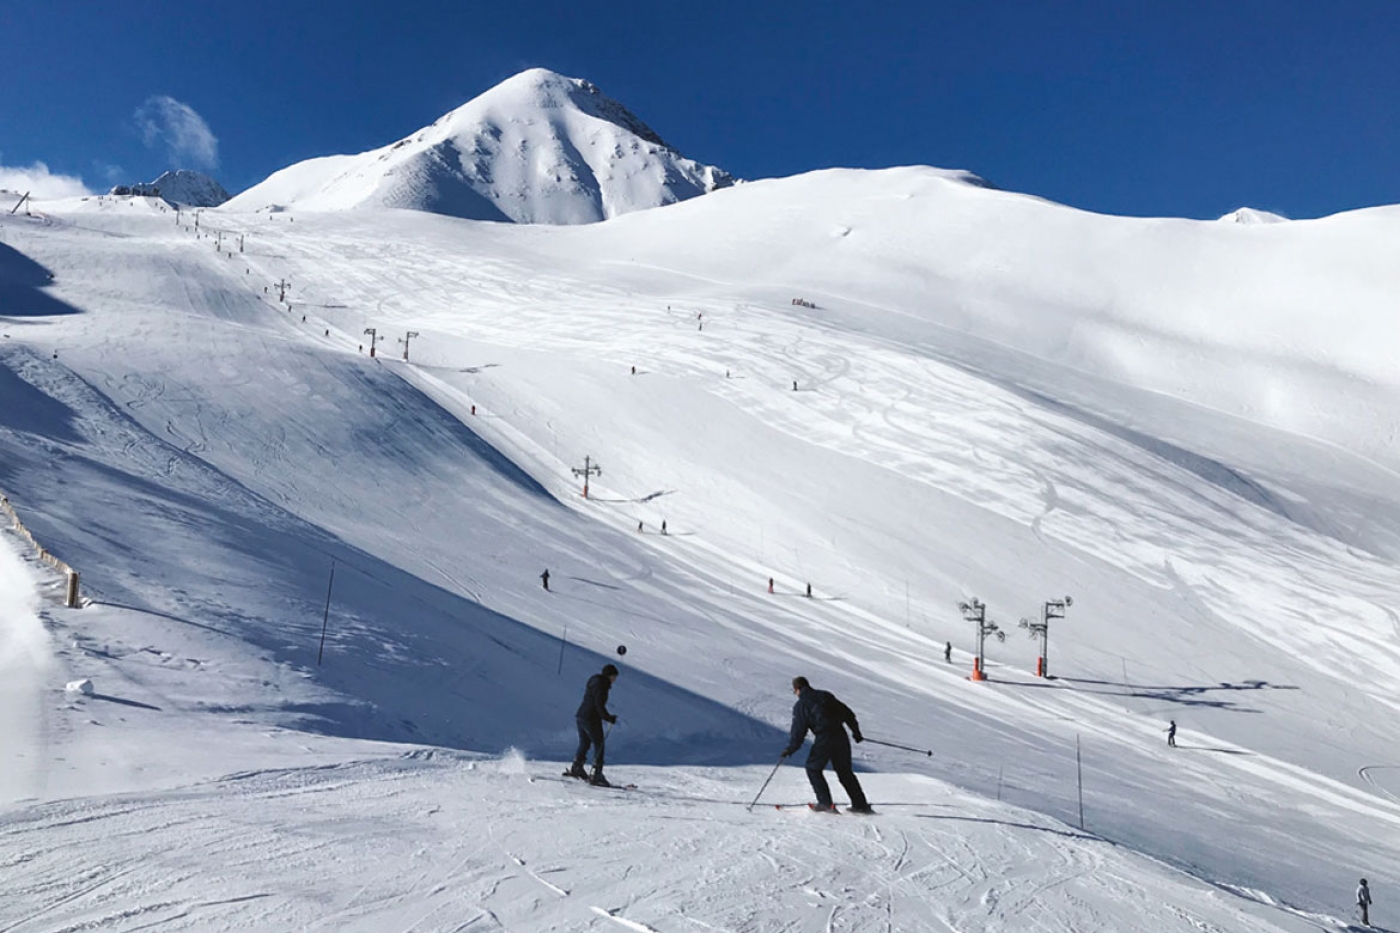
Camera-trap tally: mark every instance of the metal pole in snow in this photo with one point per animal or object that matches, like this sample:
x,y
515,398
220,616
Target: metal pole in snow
x,y
1079,770
325,619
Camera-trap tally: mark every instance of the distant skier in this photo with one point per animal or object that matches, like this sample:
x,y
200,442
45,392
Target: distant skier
x,y
639,527
770,585
794,385
544,578
948,652
825,716
590,717
809,591
663,526
1363,900
634,370
1171,734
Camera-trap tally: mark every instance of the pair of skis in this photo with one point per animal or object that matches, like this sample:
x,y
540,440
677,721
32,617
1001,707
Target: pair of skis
x,y
600,786
833,810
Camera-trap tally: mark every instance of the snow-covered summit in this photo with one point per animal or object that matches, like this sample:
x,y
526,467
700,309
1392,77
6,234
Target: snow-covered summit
x,y
1251,215
182,187
537,148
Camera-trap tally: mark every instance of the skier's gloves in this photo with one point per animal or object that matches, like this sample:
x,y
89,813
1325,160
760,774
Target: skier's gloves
x,y
786,752
855,734
612,719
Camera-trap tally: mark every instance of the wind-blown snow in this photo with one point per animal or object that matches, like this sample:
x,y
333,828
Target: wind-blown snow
x,y
538,148
1187,426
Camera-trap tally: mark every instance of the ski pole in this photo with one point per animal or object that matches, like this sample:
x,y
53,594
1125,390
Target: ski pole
x,y
921,751
765,783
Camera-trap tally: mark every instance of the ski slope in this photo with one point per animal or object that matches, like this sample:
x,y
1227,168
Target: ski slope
x,y
995,397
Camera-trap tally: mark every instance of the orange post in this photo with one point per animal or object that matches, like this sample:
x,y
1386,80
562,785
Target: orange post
x,y
1040,667
977,670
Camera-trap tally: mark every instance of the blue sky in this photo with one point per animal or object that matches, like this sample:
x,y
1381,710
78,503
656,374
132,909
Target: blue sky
x,y
1182,108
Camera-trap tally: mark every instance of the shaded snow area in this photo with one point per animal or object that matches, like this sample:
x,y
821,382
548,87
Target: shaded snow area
x,y
539,148
326,688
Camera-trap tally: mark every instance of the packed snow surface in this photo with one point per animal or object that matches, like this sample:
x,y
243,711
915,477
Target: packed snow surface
x,y
538,148
902,388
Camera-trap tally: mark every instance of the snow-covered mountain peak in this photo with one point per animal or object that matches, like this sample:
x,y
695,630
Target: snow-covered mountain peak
x,y
1250,215
183,187
539,147
542,89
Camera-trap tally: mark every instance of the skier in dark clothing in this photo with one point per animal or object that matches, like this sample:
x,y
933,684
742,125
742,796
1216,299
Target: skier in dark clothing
x,y
1171,734
544,579
825,716
590,716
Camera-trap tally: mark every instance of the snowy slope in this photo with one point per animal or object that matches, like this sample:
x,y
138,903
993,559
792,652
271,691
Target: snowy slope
x,y
961,427
537,148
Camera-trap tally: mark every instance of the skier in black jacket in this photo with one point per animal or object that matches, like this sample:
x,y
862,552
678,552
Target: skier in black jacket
x,y
825,716
590,716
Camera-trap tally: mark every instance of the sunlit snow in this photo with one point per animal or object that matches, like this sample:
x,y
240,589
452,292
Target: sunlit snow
x,y
903,388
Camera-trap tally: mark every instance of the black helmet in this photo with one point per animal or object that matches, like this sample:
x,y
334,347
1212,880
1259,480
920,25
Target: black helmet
x,y
609,670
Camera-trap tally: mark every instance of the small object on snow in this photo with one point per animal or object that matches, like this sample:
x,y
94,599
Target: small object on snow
x,y
83,686
621,649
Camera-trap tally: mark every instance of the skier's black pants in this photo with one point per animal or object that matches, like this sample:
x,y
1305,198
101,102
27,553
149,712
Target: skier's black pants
x,y
590,732
836,749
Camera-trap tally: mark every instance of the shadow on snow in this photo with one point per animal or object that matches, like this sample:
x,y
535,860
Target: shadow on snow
x,y
407,660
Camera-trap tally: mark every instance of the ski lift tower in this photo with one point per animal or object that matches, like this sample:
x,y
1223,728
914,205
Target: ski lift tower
x,y
588,469
976,612
1053,609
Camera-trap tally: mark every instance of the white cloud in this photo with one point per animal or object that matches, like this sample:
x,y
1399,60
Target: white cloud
x,y
186,136
41,183
113,173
